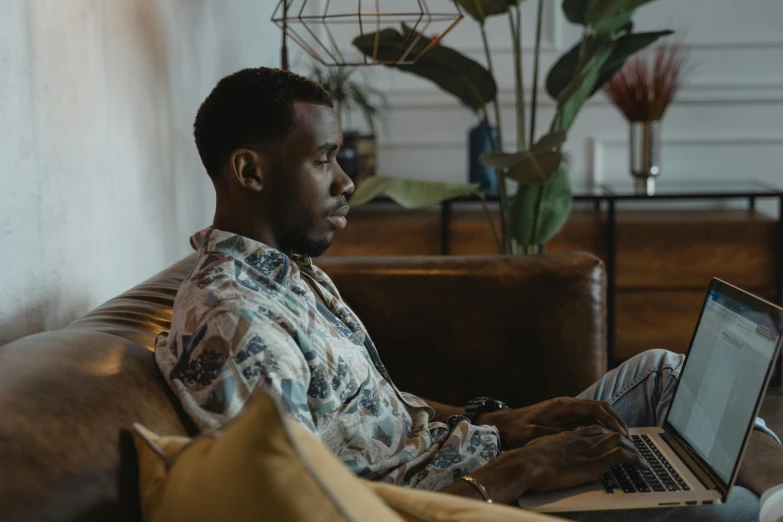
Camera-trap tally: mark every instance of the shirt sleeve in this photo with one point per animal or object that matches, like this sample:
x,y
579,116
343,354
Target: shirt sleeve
x,y
215,367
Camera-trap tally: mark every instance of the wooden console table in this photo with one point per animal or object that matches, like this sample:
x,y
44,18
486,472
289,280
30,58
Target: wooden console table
x,y
658,262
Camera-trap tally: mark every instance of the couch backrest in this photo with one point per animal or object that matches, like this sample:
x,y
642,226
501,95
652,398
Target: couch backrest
x,y
64,395
518,328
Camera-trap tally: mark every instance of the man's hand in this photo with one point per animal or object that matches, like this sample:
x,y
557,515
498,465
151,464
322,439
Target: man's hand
x,y
565,460
517,427
573,458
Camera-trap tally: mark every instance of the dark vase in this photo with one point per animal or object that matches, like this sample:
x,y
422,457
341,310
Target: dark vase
x,y
479,143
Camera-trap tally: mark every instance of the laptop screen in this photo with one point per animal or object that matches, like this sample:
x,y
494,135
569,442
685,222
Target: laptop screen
x,y
730,356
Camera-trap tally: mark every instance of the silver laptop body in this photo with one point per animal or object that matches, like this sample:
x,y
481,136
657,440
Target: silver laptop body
x,y
697,453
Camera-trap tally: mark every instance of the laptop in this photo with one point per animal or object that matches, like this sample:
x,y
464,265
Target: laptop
x,y
696,455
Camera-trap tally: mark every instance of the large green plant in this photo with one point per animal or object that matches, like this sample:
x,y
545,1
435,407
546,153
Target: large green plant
x,y
539,208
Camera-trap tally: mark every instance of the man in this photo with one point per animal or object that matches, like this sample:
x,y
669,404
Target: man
x,y
256,312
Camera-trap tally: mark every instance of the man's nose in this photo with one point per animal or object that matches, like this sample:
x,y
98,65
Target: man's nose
x,y
343,184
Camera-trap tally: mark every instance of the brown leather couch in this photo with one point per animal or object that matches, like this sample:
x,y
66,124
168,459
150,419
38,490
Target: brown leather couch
x,y
522,329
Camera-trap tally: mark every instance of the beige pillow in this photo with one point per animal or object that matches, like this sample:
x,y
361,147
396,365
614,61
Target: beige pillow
x,y
415,504
260,467
263,466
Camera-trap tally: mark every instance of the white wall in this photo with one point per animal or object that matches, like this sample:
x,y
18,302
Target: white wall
x,y
101,185
727,123
100,182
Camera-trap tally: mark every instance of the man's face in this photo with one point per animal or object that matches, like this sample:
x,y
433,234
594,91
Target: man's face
x,y
307,192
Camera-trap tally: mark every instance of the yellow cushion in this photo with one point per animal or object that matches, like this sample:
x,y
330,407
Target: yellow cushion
x,y
260,467
263,466
414,505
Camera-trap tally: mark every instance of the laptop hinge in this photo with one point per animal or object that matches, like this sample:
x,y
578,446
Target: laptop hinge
x,y
689,461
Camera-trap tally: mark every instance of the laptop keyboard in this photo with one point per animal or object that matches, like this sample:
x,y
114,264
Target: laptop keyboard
x,y
630,479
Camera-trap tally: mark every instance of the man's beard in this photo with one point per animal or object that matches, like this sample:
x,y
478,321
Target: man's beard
x,y
292,232
298,242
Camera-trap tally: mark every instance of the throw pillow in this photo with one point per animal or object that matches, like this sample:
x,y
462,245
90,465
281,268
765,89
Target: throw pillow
x,y
415,505
260,466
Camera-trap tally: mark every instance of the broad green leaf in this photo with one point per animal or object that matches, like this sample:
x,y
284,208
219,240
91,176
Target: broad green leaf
x,y
371,188
630,44
575,96
410,193
556,202
624,48
521,214
565,69
555,206
524,167
479,10
615,23
576,10
503,160
453,72
535,169
550,141
599,10
602,12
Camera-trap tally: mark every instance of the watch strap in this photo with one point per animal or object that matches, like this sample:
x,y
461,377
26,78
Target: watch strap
x,y
481,405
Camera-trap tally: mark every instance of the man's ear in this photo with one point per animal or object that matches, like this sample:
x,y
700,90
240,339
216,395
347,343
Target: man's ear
x,y
248,168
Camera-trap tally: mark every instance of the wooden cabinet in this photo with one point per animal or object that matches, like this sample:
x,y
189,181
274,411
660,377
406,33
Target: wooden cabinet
x,y
665,259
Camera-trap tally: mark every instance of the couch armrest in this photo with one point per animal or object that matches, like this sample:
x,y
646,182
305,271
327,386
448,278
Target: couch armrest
x,y
520,329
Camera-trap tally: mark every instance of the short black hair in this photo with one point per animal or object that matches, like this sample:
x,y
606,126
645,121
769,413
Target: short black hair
x,y
252,107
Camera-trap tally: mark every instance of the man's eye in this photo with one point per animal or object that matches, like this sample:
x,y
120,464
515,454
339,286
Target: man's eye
x,y
322,163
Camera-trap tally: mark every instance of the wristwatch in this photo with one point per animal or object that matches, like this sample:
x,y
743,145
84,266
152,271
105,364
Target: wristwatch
x,y
481,405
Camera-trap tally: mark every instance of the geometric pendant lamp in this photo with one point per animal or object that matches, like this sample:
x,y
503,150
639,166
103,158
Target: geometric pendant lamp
x,y
389,31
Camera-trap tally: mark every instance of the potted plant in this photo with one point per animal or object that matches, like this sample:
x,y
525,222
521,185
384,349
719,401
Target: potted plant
x,y
357,156
539,208
643,90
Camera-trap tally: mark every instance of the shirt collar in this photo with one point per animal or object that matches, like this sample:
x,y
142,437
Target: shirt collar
x,y
274,264
269,261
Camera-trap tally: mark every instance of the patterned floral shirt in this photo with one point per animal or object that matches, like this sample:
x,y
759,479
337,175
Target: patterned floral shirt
x,y
246,318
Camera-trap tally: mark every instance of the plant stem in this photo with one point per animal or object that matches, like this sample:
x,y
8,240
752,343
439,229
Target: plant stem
x,y
520,71
534,101
498,147
506,245
539,190
496,103
495,236
536,212
516,35
583,47
573,83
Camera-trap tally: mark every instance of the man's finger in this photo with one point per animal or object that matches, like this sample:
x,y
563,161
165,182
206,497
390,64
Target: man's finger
x,y
594,430
616,439
604,444
606,418
577,411
610,441
620,455
608,407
